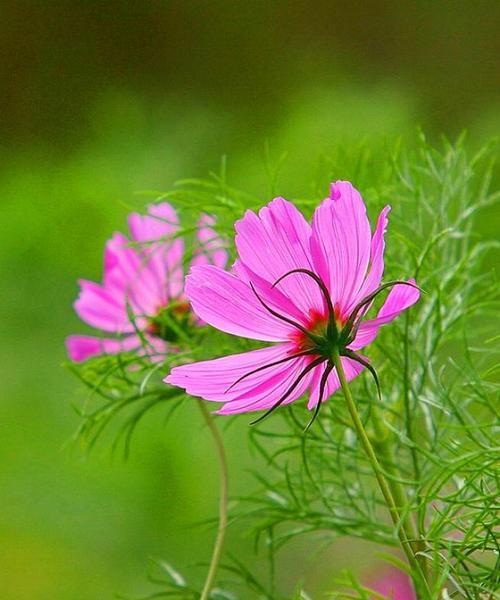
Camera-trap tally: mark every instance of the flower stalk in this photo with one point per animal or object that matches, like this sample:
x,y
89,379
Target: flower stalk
x,y
382,443
392,500
223,501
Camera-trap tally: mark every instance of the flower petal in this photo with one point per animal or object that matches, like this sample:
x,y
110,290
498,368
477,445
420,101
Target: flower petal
x,y
269,392
272,296
275,242
229,304
352,370
393,584
161,252
211,250
155,348
376,270
400,298
130,277
161,222
212,379
102,308
340,243
82,347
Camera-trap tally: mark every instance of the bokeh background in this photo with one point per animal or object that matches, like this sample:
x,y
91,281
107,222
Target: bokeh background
x,y
100,100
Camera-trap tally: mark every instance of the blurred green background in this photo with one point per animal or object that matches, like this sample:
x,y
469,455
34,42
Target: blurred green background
x,y
102,99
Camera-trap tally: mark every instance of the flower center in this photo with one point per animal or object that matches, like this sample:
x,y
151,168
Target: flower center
x,y
171,322
319,339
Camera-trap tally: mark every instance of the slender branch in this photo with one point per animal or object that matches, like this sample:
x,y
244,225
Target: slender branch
x,y
381,480
223,500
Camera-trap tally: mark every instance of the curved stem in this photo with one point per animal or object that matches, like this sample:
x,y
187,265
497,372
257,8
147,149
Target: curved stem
x,y
379,475
223,499
382,444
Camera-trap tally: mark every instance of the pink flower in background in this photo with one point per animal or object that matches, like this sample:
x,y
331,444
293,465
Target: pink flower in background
x,y
393,584
143,283
304,287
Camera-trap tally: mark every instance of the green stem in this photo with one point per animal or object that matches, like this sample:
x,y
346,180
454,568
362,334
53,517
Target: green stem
x,y
409,434
384,448
379,475
223,500
406,398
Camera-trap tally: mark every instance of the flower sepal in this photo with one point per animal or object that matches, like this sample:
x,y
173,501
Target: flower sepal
x,y
350,329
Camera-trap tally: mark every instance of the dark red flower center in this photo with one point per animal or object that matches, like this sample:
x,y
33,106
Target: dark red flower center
x,y
317,331
171,321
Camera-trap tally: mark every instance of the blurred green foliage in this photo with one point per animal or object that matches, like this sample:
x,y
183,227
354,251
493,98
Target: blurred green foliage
x,y
101,101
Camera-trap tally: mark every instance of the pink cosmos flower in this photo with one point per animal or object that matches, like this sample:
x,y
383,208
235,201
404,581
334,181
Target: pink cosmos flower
x,y
304,287
143,287
394,584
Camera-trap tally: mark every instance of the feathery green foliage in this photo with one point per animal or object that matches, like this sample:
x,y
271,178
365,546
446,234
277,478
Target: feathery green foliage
x,y
437,365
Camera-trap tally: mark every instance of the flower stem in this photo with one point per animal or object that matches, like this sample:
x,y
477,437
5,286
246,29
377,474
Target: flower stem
x,y
223,500
384,449
379,475
406,398
408,418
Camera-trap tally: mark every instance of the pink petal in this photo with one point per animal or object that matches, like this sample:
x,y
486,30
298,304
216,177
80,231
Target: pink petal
x,y
275,242
267,394
82,347
340,243
394,584
212,379
211,249
101,308
400,298
352,370
164,259
155,348
229,304
161,251
272,296
376,271
161,222
129,276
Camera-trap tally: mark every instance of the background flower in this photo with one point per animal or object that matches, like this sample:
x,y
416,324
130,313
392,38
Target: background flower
x,y
143,279
393,584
